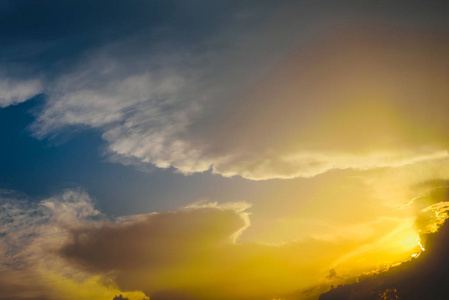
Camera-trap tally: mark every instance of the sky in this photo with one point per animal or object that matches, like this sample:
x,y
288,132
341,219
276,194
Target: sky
x,y
215,150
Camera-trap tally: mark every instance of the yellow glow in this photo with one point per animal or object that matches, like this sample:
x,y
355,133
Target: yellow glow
x,y
421,247
89,288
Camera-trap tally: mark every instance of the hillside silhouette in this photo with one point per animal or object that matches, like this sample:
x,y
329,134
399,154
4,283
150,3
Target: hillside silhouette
x,y
426,277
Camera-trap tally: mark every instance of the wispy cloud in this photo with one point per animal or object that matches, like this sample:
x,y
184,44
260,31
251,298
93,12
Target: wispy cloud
x,y
14,91
31,233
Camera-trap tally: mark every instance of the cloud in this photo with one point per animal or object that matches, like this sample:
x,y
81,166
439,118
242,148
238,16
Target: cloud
x,y
142,116
62,247
31,233
267,91
153,240
192,253
264,117
187,254
13,91
309,164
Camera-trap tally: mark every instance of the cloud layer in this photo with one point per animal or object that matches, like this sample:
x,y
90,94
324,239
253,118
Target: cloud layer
x,y
259,95
62,247
171,111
